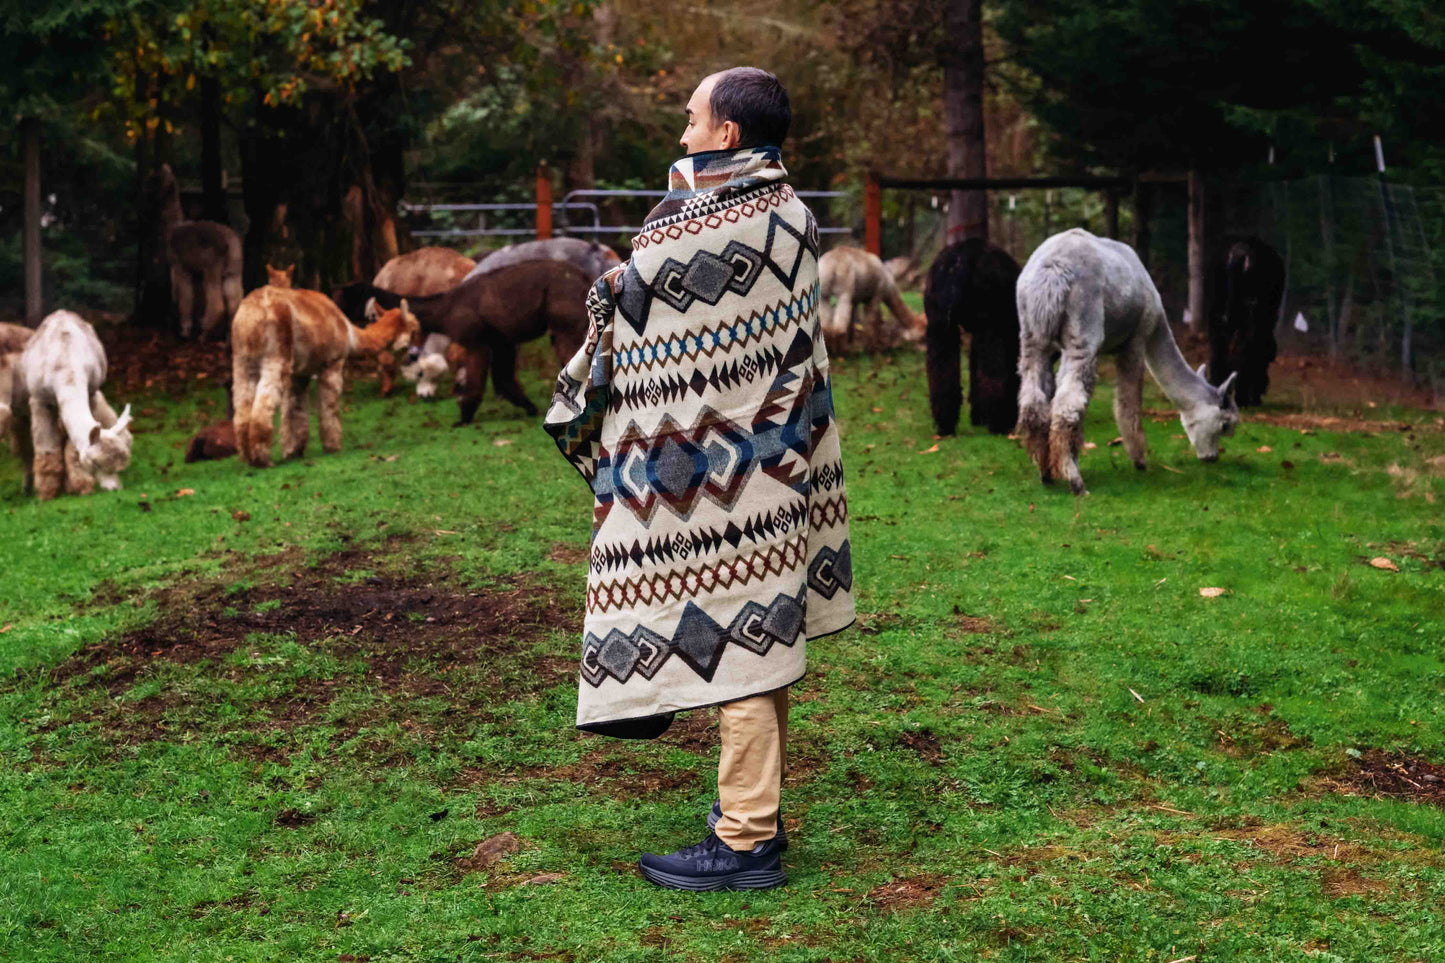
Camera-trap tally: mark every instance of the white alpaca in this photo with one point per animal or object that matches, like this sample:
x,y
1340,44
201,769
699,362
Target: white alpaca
x,y
860,283
74,438
1079,296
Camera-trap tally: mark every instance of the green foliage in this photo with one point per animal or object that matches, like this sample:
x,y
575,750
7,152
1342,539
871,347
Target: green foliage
x,y
971,776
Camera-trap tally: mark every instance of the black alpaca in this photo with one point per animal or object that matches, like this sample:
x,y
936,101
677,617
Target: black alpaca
x,y
1248,288
971,286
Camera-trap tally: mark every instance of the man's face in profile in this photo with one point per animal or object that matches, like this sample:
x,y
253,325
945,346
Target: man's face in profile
x,y
701,133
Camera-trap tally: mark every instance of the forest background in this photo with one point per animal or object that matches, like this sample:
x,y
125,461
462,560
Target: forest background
x,y
305,124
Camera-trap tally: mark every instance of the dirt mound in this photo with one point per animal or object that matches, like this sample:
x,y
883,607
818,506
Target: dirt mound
x,y
1377,773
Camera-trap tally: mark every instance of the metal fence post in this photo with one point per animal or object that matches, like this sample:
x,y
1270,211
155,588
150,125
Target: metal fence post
x,y
544,202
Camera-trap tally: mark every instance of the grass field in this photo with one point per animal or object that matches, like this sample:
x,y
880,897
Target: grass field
x,y
271,715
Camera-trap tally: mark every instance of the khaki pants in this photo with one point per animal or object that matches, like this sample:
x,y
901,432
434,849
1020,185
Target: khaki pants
x,y
754,735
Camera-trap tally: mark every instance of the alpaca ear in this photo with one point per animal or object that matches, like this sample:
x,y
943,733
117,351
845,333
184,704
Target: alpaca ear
x,y
1228,384
1202,366
123,422
405,311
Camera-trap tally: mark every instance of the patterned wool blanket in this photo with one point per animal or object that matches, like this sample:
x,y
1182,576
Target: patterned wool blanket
x,y
700,412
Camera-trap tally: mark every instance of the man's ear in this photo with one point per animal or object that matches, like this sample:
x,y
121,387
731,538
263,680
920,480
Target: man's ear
x,y
732,135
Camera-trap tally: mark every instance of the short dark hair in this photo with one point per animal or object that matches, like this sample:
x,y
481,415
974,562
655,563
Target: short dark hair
x,y
756,101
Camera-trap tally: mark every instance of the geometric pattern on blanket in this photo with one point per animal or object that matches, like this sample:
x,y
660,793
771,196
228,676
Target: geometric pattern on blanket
x,y
700,413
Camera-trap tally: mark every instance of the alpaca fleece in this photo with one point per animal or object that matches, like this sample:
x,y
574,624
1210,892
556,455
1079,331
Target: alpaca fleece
x,y
700,412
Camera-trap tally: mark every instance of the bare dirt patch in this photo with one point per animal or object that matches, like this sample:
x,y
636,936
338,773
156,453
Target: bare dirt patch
x,y
1391,776
413,633
1344,881
923,741
907,893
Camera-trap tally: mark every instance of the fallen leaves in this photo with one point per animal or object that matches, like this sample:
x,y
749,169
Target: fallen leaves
x,y
929,451
185,492
241,516
1212,592
1384,564
501,442
1264,449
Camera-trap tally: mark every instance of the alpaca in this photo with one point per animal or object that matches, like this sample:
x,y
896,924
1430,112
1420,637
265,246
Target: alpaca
x,y
280,340
281,277
198,249
425,272
860,282
435,357
13,339
1080,295
971,286
68,436
1248,288
215,442
492,313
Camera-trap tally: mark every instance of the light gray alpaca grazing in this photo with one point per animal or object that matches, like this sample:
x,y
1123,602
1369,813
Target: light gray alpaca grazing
x,y
429,365
860,283
1080,296
69,436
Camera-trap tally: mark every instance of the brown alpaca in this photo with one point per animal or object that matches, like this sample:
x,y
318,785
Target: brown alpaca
x,y
495,312
195,250
417,274
280,340
13,339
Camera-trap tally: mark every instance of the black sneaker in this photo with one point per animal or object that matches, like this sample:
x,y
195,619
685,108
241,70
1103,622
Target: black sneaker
x,y
716,813
711,865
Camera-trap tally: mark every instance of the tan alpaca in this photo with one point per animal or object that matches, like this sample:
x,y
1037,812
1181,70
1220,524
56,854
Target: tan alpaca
x,y
68,435
282,338
860,282
418,274
280,278
13,339
198,250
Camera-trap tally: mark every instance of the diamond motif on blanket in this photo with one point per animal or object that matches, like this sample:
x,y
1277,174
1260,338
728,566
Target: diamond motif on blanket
x,y
831,570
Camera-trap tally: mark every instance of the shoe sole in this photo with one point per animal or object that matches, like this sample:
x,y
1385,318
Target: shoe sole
x,y
755,879
712,821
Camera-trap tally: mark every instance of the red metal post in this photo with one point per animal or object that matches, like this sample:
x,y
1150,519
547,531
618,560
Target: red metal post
x,y
544,203
873,215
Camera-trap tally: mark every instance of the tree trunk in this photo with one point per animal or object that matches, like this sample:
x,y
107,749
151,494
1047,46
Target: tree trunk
x,y
30,134
1143,212
1197,269
963,69
213,176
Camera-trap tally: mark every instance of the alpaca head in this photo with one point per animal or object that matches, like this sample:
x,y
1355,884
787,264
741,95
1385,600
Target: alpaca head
x,y
405,324
280,277
1206,423
107,451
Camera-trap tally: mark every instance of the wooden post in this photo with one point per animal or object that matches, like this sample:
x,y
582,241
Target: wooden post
x,y
30,134
873,215
544,202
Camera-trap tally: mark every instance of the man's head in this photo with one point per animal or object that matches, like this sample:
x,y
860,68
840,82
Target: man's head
x,y
741,107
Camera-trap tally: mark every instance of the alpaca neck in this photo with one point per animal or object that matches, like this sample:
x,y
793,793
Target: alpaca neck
x,y
372,339
1185,388
75,415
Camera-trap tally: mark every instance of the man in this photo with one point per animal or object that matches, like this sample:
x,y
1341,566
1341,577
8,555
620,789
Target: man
x,y
700,413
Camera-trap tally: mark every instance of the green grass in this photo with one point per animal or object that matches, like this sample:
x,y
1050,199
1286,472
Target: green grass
x,y
974,775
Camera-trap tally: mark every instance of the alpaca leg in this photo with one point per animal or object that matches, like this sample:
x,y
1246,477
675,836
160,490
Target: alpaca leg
x,y
23,445
386,372
271,390
184,297
78,481
504,373
329,387
48,441
471,382
295,422
1077,373
1036,394
243,397
215,304
843,320
1128,403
